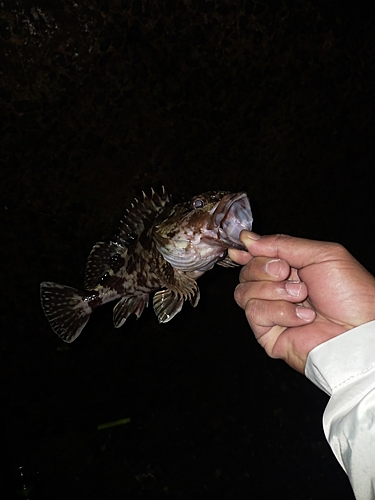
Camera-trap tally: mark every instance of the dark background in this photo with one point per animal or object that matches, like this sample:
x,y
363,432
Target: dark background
x,y
103,99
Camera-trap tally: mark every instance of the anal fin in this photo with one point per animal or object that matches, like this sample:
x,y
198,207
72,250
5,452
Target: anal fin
x,y
127,306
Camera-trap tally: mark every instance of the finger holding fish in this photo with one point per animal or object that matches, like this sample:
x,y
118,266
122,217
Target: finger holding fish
x,y
265,268
289,291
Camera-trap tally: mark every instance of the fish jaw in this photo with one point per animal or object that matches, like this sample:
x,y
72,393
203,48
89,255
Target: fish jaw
x,y
196,252
231,216
204,235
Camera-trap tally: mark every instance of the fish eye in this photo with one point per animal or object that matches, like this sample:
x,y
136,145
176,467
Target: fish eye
x,y
198,203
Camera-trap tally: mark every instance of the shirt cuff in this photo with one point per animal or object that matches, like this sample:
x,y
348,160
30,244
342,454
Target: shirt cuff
x,y
344,367
341,360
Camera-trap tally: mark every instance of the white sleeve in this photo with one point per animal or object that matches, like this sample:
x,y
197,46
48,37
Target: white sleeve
x,y
344,367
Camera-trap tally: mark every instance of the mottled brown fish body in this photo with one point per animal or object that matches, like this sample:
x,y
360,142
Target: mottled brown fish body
x,y
160,247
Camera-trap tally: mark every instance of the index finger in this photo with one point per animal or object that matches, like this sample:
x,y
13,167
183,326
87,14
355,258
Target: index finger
x,y
298,252
239,256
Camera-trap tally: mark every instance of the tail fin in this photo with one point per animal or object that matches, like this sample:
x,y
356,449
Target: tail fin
x,y
65,309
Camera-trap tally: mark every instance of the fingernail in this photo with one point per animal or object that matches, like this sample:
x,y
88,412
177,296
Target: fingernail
x,y
249,235
273,267
305,313
293,288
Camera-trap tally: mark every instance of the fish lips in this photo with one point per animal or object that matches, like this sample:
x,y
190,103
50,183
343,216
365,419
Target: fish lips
x,y
231,216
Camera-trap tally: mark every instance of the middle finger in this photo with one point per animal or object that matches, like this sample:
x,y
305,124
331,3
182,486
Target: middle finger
x,y
291,291
264,268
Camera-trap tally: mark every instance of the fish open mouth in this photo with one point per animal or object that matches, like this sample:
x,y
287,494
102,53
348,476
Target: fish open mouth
x,y
231,216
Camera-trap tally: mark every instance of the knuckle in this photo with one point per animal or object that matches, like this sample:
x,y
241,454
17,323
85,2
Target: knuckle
x,y
243,273
254,270
339,249
239,294
252,310
281,312
252,306
280,240
257,312
336,251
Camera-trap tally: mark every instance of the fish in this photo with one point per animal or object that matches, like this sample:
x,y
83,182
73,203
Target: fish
x,y
161,248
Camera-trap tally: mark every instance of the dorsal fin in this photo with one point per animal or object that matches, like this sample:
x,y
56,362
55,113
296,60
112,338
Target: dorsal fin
x,y
140,216
109,257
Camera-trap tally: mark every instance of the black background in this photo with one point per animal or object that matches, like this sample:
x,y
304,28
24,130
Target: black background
x,y
100,100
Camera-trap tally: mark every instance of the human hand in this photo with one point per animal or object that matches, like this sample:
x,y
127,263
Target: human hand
x,y
299,293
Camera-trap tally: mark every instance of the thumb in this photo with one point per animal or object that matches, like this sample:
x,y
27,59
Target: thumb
x,y
242,257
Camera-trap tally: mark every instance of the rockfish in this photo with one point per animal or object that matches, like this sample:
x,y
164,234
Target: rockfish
x,y
159,247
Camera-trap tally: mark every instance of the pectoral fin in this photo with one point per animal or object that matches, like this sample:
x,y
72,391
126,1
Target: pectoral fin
x,y
166,305
227,262
195,299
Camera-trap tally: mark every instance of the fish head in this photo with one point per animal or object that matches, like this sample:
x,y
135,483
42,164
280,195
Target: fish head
x,y
196,234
